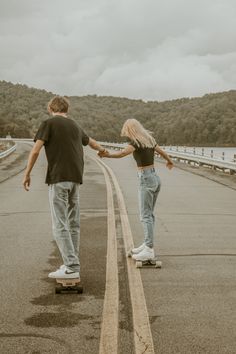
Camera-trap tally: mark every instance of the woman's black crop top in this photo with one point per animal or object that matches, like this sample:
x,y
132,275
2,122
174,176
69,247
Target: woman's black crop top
x,y
144,156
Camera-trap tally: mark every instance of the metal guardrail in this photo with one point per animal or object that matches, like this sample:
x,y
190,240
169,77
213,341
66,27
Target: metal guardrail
x,y
214,163
212,153
17,139
8,151
113,145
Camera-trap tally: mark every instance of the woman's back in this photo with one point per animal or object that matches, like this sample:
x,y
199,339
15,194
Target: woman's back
x,y
144,156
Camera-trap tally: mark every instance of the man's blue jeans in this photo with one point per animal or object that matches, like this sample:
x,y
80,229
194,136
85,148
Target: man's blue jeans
x,y
149,187
64,204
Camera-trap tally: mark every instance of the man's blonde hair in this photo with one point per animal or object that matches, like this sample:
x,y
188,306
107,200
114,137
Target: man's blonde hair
x,y
58,104
134,130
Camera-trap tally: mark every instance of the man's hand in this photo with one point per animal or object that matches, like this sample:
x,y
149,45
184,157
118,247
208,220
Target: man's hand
x,y
34,153
26,182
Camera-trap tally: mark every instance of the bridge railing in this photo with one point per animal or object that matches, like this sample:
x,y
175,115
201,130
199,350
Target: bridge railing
x,y
190,157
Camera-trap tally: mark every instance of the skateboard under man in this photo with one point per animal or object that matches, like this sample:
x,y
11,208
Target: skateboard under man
x,y
68,286
149,263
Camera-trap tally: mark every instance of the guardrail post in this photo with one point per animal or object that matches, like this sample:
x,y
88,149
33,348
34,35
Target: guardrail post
x,y
223,155
211,154
177,148
194,150
170,148
185,150
234,157
202,151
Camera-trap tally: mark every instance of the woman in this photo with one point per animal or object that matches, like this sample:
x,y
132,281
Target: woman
x,y
143,146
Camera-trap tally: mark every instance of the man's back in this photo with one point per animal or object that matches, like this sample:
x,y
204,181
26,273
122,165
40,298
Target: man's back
x,y
64,141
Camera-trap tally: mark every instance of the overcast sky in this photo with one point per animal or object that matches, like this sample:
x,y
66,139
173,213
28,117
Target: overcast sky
x,y
148,49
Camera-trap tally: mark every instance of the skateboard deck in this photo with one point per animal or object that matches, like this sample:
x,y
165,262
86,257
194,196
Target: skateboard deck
x,y
149,263
68,286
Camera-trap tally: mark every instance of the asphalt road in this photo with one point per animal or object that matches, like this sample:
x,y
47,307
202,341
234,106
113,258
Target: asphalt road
x,y
33,318
190,301
15,162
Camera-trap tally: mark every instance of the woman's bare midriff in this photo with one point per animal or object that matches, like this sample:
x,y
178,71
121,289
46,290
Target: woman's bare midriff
x,y
145,167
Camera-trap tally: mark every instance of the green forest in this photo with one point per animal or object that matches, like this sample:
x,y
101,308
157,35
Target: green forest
x,y
202,121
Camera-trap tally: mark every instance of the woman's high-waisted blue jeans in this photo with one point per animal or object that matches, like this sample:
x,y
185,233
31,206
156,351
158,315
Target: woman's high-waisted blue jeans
x,y
64,204
149,187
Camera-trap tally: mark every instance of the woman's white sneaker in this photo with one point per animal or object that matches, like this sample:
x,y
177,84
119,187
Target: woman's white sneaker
x,y
146,254
138,249
64,273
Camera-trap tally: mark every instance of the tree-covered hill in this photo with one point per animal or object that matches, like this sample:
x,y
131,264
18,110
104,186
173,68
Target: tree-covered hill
x,y
207,120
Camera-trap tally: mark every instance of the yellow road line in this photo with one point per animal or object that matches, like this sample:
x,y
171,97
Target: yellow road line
x,y
142,331
110,316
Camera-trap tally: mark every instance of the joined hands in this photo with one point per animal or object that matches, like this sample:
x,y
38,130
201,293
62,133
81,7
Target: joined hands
x,y
103,153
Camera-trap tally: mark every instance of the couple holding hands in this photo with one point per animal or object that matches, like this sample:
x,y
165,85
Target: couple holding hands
x,y
63,140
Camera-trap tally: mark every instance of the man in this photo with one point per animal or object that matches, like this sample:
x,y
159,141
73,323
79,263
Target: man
x,y
63,140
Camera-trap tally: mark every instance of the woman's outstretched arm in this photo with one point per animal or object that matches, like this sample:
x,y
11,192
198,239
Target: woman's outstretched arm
x,y
118,154
169,163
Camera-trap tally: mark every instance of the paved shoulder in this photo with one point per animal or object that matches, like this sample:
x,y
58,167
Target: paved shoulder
x,y
15,162
191,299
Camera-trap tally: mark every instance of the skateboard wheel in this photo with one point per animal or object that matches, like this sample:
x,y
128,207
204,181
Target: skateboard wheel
x,y
129,254
80,291
139,264
57,291
158,264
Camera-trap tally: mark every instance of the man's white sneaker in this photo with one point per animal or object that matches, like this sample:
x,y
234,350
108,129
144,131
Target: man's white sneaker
x,y
138,249
64,273
146,254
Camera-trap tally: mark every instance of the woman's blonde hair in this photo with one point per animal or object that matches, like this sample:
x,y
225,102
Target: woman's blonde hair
x,y
134,130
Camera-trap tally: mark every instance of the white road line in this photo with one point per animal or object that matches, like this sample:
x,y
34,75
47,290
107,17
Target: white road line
x,y
110,316
142,331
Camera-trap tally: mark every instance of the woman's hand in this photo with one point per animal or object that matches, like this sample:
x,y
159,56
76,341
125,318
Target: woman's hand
x,y
169,165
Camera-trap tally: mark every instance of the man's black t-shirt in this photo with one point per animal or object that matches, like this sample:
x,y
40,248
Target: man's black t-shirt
x,y
63,140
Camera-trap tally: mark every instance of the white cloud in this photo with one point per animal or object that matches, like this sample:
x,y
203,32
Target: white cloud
x,y
151,49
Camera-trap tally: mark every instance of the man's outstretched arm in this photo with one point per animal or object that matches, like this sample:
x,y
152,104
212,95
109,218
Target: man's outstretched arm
x,y
94,145
34,153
